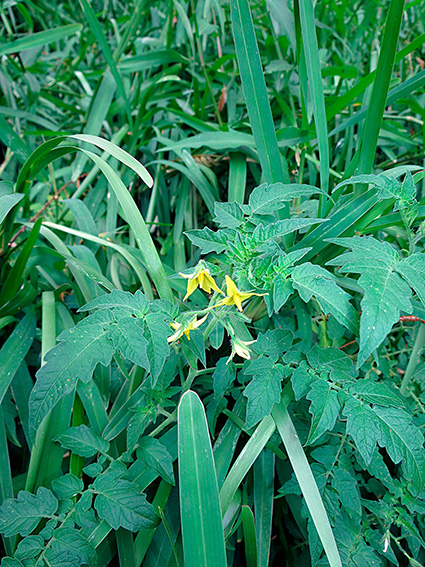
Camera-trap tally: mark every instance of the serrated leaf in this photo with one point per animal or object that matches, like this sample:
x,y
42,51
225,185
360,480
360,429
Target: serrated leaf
x,y
412,269
73,359
67,486
127,337
223,377
332,360
228,215
273,342
156,331
268,198
375,393
196,346
136,303
388,187
120,503
69,548
282,289
82,441
403,442
348,493
263,391
29,547
385,293
324,409
363,426
22,515
280,228
210,241
11,562
155,456
312,280
301,380
393,429
408,189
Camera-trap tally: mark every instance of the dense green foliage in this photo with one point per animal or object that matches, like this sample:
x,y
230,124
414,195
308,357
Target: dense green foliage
x,y
212,292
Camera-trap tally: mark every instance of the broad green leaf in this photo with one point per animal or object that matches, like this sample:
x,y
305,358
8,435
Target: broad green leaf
x,y
301,380
69,548
228,215
264,389
312,280
82,441
363,426
67,486
268,198
121,503
156,331
273,342
404,443
75,358
412,269
385,293
393,429
199,499
22,515
280,228
29,547
348,493
375,393
210,241
332,360
136,303
223,377
155,456
127,336
324,409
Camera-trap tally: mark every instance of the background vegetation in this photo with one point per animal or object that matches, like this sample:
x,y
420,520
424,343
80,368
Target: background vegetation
x,y
250,121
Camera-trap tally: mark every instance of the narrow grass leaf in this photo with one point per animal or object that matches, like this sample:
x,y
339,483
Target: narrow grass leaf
x,y
249,536
245,460
38,39
307,482
203,537
256,93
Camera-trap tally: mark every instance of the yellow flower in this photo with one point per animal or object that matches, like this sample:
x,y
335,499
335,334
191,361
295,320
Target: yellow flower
x,y
185,329
240,348
234,296
200,277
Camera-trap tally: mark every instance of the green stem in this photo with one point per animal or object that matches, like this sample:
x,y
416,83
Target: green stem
x,y
414,359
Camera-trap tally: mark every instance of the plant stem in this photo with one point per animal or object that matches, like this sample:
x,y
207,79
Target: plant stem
x,y
414,359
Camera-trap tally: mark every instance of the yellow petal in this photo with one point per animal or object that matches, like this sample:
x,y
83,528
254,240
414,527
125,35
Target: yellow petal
x,y
191,286
231,288
209,281
238,301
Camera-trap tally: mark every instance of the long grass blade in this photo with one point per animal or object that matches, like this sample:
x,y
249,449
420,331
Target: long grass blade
x,y
381,86
256,93
203,537
311,51
307,482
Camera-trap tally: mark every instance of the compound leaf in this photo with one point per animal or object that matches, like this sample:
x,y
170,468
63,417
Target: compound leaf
x,y
120,503
264,389
22,515
324,409
69,548
74,358
155,456
82,441
312,280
